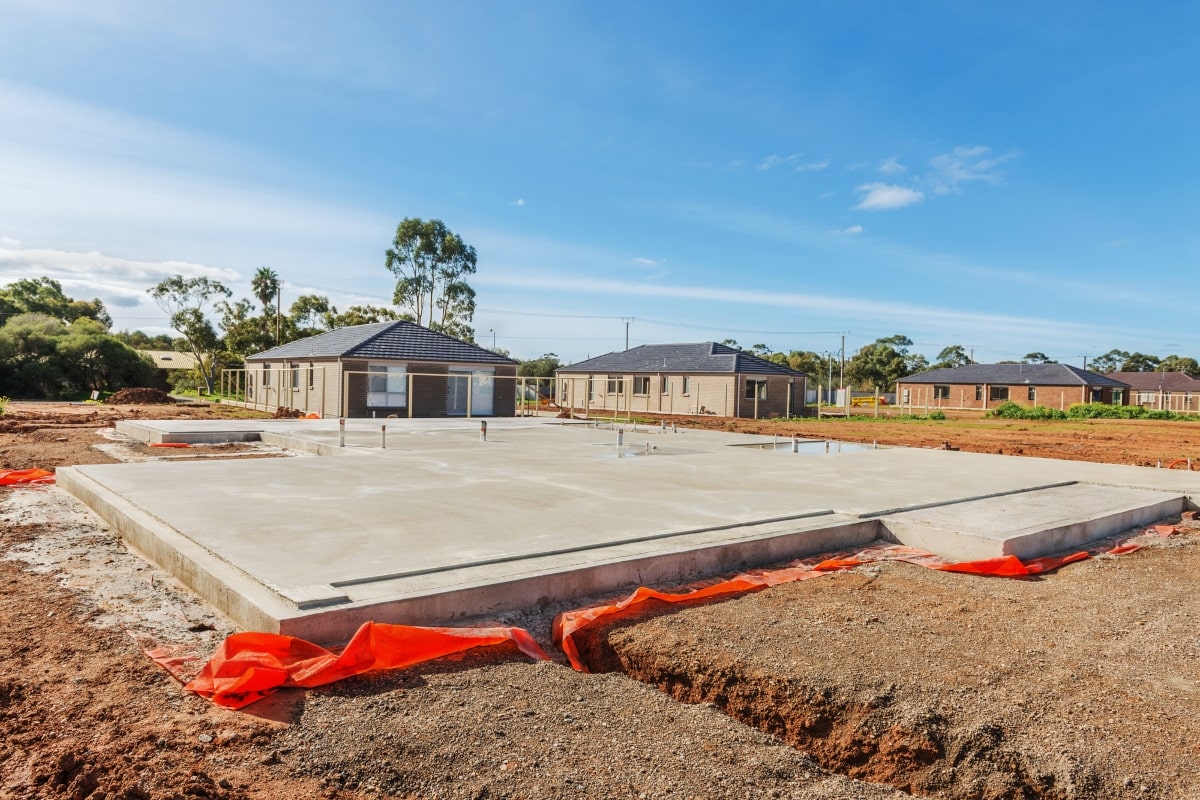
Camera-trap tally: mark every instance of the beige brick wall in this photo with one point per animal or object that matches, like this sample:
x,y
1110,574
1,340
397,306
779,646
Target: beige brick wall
x,y
722,395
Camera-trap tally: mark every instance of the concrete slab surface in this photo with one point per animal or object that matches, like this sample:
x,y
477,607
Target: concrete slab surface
x,y
441,524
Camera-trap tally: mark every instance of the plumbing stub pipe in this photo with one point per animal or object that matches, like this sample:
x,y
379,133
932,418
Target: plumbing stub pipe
x,y
483,431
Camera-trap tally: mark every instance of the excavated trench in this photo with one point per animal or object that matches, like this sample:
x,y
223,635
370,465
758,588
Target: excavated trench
x,y
878,734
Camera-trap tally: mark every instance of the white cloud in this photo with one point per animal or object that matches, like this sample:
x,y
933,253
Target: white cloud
x,y
964,165
645,262
887,197
5,241
519,202
892,166
813,166
773,160
853,230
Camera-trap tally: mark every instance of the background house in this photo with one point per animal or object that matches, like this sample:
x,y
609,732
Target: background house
x,y
167,362
1168,391
701,378
989,385
378,370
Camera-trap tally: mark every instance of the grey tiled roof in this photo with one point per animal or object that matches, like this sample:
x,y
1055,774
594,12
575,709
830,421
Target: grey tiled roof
x,y
1012,374
700,357
1154,381
401,340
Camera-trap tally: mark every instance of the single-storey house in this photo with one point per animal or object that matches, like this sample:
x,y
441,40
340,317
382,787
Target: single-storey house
x,y
166,362
989,385
700,378
1169,391
382,369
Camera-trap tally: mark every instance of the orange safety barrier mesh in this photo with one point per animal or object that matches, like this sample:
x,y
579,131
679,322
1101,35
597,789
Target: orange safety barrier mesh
x,y
249,666
311,415
570,624
15,477
169,444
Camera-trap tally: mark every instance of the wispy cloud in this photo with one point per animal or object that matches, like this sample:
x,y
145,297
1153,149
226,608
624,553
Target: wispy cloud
x,y
887,197
892,166
519,202
6,241
963,165
794,161
906,315
645,262
853,230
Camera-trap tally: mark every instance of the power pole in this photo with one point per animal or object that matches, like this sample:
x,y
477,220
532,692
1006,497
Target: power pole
x,y
278,309
627,321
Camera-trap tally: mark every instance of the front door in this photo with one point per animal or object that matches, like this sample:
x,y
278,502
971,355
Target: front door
x,y
457,386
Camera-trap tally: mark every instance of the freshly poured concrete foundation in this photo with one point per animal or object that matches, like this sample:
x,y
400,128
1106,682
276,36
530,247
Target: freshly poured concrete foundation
x,y
441,524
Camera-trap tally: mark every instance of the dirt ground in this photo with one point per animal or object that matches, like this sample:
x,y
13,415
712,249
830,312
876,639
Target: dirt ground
x,y
1084,683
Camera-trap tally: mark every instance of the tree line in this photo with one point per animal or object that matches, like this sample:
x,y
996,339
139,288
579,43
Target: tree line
x,y
888,359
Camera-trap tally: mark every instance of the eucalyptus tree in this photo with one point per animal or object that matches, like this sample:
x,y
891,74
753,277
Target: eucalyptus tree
x,y
431,265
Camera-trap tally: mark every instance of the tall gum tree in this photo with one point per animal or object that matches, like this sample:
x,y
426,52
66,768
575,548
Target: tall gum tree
x,y
184,300
431,265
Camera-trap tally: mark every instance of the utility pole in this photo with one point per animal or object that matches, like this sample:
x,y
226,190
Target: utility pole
x,y
627,321
278,310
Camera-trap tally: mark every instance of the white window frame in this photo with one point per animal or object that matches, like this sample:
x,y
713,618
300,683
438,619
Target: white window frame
x,y
393,391
687,385
641,385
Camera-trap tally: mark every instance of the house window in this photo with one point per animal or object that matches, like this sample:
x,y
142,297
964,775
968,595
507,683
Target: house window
x,y
666,384
941,392
1145,397
1097,395
756,389
591,389
387,385
687,384
295,377
311,372
1118,397
1033,394
641,384
978,392
904,395
266,374
616,386
997,392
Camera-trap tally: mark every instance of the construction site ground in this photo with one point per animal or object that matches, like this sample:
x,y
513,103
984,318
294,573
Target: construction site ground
x,y
1084,683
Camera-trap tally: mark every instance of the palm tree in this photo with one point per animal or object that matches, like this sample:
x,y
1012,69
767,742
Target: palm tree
x,y
265,285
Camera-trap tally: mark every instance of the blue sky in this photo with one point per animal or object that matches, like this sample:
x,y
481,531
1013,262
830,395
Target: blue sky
x,y
1009,177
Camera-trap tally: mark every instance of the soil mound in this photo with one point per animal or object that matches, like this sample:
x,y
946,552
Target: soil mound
x,y
140,397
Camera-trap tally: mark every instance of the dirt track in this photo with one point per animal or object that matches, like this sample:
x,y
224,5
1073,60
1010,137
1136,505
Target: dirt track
x,y
1081,684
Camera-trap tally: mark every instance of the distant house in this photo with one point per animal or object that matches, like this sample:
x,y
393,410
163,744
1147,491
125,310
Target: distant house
x,y
166,362
380,370
700,378
1169,391
989,385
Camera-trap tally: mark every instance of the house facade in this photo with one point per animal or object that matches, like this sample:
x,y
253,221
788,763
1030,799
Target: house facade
x,y
700,378
986,386
1162,391
379,370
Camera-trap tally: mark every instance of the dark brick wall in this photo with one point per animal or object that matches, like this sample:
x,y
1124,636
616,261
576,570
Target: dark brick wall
x,y
776,402
963,396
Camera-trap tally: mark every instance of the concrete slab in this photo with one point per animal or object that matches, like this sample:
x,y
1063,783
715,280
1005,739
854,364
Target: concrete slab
x,y
441,525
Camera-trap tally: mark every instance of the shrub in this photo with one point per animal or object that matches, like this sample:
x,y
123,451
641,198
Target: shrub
x,y
936,415
1011,410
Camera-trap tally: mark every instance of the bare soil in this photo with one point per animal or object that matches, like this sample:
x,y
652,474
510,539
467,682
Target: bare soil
x,y
1080,684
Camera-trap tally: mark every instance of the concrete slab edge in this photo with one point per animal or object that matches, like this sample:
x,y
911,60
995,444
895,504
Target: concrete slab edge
x,y
956,501
1040,543
533,590
595,546
227,588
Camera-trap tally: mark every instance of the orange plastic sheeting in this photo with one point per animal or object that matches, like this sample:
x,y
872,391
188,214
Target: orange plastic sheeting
x,y
14,477
169,444
312,415
249,666
569,623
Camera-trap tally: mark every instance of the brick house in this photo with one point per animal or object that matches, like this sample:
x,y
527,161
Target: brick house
x,y
701,378
379,370
988,385
1169,391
